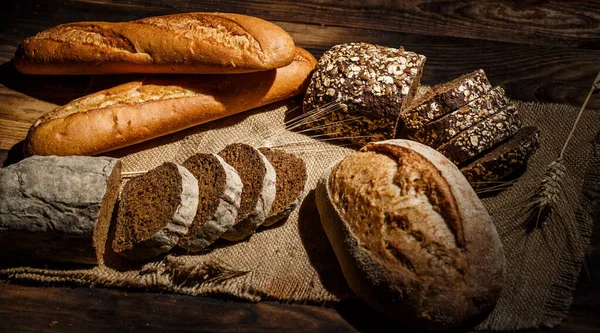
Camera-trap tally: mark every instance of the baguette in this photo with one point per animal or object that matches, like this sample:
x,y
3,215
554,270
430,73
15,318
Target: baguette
x,y
143,110
195,43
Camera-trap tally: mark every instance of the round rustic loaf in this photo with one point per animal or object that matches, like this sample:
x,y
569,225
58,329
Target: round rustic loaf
x,y
412,238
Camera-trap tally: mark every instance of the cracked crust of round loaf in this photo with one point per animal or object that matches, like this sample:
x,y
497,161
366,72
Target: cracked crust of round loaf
x,y
408,262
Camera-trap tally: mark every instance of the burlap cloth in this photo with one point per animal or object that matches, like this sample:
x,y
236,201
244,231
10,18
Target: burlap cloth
x,y
293,261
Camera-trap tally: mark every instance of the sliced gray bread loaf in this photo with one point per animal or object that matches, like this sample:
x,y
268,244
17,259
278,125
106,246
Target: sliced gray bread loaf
x,y
290,185
482,136
504,159
156,210
443,129
258,193
220,193
58,208
445,98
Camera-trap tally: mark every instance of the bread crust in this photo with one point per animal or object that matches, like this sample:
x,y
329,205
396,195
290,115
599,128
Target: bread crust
x,y
419,293
195,43
143,110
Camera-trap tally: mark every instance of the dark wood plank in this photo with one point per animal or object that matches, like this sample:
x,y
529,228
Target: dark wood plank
x,y
550,23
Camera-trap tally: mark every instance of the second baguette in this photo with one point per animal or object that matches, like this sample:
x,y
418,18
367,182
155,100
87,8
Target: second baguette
x,y
143,110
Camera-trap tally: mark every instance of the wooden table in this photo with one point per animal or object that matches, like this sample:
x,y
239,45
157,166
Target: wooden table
x,y
538,50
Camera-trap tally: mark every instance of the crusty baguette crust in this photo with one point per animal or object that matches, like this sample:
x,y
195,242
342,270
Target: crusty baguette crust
x,y
198,43
143,110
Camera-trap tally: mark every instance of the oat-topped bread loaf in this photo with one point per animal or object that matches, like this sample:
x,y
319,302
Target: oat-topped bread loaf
x,y
290,183
443,129
155,211
258,194
504,159
445,98
219,196
198,43
413,239
58,208
368,84
482,136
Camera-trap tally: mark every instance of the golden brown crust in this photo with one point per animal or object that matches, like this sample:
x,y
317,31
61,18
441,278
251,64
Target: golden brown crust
x,y
199,43
143,110
388,213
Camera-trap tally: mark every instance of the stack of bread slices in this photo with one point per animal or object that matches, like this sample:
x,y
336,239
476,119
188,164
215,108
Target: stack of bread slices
x,y
67,203
210,196
473,124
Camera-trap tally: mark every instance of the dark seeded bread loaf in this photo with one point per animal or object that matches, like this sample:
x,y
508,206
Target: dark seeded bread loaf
x,y
443,129
220,192
504,159
258,193
58,208
445,98
411,236
155,211
290,184
482,136
198,43
371,83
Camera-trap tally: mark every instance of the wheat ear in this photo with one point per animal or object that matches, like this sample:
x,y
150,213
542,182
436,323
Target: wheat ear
x,y
548,194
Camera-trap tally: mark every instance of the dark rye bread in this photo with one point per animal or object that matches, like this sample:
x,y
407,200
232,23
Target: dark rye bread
x,y
156,209
219,196
290,183
371,83
504,159
482,136
258,193
443,129
412,238
445,98
58,208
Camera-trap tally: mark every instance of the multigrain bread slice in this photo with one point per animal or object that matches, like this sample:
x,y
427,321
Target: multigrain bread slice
x,y
504,159
155,211
196,43
290,184
366,86
443,129
220,193
445,98
58,208
258,193
482,136
411,236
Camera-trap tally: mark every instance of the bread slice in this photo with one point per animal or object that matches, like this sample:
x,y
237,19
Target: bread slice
x,y
195,43
220,193
503,159
482,136
58,208
156,210
445,98
258,193
411,236
290,184
443,129
365,86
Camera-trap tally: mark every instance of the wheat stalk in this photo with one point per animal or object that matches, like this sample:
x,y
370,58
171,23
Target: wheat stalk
x,y
549,193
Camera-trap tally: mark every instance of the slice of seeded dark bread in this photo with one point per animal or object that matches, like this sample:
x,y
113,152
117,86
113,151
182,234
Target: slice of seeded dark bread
x,y
440,131
504,159
482,136
358,89
445,98
290,183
